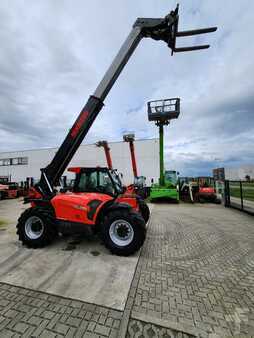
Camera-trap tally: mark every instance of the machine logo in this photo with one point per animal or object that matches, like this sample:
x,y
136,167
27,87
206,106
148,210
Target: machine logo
x,y
77,126
80,207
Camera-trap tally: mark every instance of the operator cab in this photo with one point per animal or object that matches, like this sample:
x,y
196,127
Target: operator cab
x,y
171,176
140,182
97,179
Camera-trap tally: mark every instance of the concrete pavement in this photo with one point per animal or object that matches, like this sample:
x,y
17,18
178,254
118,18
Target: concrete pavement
x,y
80,268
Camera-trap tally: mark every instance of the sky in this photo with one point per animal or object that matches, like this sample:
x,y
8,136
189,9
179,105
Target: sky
x,y
54,53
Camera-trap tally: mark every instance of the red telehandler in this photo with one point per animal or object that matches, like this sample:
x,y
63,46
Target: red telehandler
x,y
130,192
94,200
106,148
139,181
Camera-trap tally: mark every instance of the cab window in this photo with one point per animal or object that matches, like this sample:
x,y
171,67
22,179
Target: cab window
x,y
95,181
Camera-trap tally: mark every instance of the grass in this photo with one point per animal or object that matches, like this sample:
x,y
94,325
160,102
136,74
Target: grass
x,y
2,223
247,188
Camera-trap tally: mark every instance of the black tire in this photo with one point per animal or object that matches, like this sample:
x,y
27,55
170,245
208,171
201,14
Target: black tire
x,y
217,201
46,221
137,223
144,210
202,200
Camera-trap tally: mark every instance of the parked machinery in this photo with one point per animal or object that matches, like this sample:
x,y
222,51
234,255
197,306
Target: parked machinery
x,y
188,189
199,189
120,226
3,191
139,182
162,112
207,190
106,148
129,192
9,189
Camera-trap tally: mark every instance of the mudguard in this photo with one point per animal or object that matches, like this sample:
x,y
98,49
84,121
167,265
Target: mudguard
x,y
108,207
117,205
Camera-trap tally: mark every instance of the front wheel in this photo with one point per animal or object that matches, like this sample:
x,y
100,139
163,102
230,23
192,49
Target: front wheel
x,y
202,200
36,227
123,232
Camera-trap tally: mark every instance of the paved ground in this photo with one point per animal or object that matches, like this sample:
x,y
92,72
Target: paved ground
x,y
195,277
197,270
77,268
27,313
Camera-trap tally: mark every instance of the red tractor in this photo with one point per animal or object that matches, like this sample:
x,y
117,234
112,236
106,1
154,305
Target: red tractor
x,y
9,190
130,192
95,202
207,191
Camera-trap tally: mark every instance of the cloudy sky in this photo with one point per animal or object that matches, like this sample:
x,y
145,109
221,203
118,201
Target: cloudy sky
x,y
54,53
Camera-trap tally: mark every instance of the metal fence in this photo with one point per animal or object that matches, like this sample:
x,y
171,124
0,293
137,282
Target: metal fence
x,y
240,195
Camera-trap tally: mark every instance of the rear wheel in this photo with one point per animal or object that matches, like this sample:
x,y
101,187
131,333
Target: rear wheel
x,y
217,200
144,210
123,232
36,227
202,200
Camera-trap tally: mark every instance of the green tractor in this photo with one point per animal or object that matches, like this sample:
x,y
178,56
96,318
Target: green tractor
x,y
162,111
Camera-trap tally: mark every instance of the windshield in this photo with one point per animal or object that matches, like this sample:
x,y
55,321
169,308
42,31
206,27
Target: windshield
x,y
171,176
95,181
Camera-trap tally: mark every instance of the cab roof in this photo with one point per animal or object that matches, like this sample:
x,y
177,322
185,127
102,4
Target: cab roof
x,y
77,170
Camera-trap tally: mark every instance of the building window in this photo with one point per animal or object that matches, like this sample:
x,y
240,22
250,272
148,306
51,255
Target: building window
x,y
14,161
23,160
6,161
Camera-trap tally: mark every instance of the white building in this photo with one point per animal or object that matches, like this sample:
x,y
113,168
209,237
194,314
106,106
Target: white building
x,y
237,174
19,165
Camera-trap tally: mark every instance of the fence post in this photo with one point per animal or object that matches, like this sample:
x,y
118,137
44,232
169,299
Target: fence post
x,y
227,194
241,194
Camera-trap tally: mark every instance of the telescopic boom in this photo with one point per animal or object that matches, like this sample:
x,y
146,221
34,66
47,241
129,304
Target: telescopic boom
x,y
130,139
105,146
162,29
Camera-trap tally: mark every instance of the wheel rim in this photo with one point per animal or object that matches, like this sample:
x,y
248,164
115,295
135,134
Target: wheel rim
x,y
121,232
34,227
